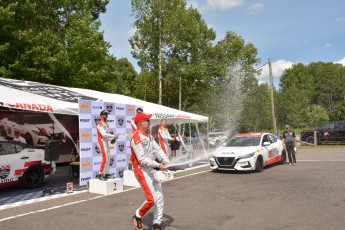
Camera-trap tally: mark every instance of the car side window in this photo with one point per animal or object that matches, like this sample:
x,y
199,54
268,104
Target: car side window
x,y
265,139
18,148
7,148
272,138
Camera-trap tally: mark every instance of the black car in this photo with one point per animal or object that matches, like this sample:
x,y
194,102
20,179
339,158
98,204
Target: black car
x,y
332,132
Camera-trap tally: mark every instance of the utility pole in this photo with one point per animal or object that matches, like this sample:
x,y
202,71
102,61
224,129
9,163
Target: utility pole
x,y
272,98
180,101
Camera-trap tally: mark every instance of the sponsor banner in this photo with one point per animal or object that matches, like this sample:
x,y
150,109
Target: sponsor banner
x,y
85,164
85,136
119,172
84,106
111,121
84,121
96,163
131,110
85,177
120,109
121,147
121,160
86,149
119,119
97,107
122,134
96,151
112,161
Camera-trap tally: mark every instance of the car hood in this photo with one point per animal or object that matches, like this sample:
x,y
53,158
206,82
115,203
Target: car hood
x,y
234,151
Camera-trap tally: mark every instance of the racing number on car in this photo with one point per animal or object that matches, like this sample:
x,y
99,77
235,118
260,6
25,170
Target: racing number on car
x,y
114,186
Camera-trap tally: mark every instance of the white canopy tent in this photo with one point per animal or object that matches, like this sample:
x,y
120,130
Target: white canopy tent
x,y
33,96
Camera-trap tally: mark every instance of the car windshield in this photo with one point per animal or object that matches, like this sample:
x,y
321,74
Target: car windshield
x,y
244,141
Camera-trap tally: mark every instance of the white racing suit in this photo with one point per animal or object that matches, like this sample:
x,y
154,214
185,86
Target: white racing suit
x,y
145,151
103,138
164,138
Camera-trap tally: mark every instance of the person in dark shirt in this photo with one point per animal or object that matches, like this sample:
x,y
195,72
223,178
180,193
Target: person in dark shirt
x,y
289,140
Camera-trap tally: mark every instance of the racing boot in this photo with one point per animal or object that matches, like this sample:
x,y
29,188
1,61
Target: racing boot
x,y
101,177
138,224
108,176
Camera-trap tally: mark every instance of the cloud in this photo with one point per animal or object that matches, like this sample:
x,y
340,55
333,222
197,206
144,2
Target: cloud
x,y
253,8
223,4
340,20
325,46
278,68
342,61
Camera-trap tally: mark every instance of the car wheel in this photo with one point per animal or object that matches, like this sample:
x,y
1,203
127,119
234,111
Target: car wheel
x,y
29,139
259,165
33,177
310,140
283,159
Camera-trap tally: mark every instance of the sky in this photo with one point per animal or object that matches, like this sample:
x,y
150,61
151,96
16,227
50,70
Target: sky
x,y
286,32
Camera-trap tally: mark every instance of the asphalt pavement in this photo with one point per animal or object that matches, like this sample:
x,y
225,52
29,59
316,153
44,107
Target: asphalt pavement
x,y
307,196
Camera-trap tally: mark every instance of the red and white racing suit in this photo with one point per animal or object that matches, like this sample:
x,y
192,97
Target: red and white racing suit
x,y
103,138
145,151
164,137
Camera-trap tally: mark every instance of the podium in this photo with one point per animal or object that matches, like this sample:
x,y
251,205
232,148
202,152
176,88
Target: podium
x,y
108,187
129,179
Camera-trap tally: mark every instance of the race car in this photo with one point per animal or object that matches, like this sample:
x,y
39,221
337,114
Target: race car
x,y
248,152
22,165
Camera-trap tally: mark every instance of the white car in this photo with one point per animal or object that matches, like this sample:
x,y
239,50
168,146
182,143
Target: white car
x,y
22,165
215,139
248,152
35,128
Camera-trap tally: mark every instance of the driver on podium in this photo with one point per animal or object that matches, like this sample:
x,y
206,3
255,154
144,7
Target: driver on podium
x,y
103,137
145,154
164,137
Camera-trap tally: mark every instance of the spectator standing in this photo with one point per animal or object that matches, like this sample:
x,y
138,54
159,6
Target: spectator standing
x,y
18,137
289,140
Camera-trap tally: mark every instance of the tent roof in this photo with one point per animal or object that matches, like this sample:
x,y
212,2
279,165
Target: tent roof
x,y
35,96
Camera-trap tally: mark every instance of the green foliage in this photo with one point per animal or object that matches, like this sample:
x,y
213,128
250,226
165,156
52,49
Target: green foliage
x,y
311,95
59,42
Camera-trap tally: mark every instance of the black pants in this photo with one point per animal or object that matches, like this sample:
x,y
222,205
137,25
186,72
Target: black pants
x,y
290,148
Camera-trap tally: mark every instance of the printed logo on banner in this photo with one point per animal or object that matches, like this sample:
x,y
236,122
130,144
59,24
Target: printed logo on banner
x,y
121,147
120,109
109,107
94,135
85,135
111,161
97,107
85,150
97,161
131,110
120,122
96,118
85,164
85,121
120,172
121,160
111,121
96,150
85,177
84,106
5,171
128,122
129,134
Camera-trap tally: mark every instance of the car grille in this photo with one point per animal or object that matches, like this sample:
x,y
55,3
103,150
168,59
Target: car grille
x,y
225,161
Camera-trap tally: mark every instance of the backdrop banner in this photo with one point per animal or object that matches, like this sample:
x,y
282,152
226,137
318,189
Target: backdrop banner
x,y
119,121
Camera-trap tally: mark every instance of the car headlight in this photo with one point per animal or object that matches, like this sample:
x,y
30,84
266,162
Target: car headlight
x,y
249,155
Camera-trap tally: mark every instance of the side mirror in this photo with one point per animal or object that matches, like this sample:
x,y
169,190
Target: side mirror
x,y
266,143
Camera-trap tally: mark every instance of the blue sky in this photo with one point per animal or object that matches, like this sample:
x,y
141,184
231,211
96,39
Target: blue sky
x,y
286,31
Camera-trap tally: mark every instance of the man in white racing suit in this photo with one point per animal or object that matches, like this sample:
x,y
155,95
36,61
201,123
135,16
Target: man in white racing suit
x,y
103,137
164,137
145,152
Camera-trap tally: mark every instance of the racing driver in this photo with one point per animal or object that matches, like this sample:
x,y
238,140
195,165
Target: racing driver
x,y
103,136
146,155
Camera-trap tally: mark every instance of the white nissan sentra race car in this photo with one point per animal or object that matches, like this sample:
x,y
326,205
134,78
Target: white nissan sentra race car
x,y
22,165
249,152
